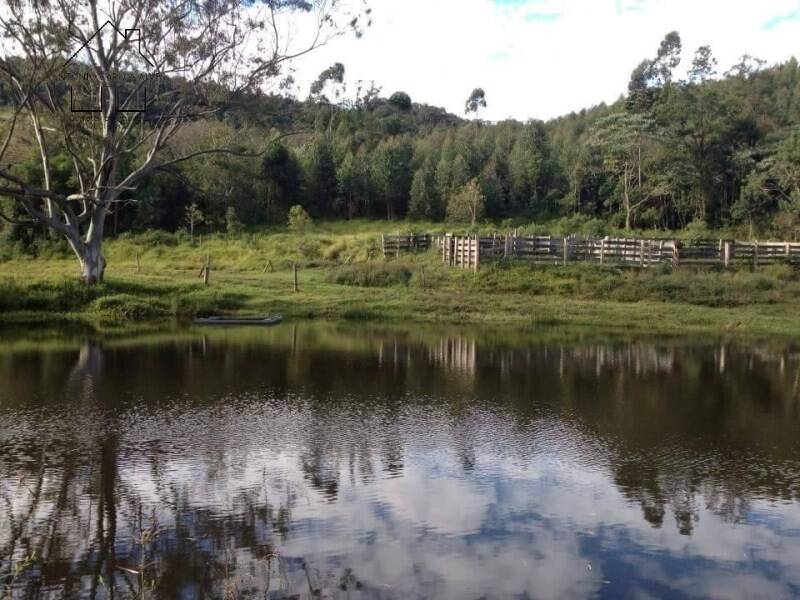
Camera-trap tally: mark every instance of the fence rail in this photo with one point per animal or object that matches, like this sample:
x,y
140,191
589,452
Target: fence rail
x,y
469,251
411,242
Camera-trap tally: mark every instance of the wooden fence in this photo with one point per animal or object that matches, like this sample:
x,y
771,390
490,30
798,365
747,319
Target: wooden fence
x,y
469,251
464,252
392,245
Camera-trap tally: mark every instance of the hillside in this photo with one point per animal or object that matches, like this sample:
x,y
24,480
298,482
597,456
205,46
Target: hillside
x,y
708,151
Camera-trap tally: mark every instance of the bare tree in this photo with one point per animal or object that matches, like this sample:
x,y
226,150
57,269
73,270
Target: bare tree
x,y
109,84
193,216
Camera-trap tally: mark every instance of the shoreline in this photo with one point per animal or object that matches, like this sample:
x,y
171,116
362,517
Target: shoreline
x,y
536,313
414,289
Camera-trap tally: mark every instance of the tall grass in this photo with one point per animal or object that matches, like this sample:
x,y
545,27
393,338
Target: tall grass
x,y
343,275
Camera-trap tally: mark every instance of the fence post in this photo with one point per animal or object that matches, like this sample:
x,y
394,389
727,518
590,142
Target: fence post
x,y
397,251
676,254
383,245
477,251
451,249
448,249
565,243
755,254
602,250
294,275
641,253
726,250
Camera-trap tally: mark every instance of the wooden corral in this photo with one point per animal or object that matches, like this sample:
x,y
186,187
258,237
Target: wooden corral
x,y
470,250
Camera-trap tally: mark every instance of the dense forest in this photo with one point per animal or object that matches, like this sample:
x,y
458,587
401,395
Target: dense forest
x,y
706,149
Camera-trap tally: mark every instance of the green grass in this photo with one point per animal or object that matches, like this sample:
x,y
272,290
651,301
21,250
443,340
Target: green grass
x,y
343,276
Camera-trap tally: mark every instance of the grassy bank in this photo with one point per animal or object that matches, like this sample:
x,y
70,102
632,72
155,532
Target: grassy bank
x,y
343,276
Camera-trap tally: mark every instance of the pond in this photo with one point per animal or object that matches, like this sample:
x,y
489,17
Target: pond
x,y
321,460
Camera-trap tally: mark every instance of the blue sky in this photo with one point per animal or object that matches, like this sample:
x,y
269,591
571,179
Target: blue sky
x,y
543,58
781,19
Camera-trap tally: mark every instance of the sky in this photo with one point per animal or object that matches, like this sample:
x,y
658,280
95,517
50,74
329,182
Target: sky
x,y
543,58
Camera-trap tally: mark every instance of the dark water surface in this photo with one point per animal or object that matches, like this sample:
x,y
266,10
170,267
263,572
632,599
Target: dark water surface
x,y
317,460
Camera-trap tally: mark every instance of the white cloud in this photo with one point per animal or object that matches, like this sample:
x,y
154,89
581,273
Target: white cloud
x,y
543,58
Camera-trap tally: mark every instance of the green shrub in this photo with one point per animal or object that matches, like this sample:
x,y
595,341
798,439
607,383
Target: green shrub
x,y
309,249
299,220
63,296
371,275
203,302
157,237
48,247
781,272
763,283
129,308
579,224
696,230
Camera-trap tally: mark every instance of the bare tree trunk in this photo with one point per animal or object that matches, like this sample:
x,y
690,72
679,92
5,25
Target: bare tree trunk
x,y
90,250
639,159
93,263
627,201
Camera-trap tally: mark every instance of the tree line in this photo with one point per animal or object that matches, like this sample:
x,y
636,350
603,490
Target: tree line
x,y
706,149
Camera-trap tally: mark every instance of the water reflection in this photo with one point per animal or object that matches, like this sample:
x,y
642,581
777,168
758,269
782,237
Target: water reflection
x,y
322,461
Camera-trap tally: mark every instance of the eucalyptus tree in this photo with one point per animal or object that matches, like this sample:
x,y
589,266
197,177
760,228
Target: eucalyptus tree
x,y
391,173
529,164
475,101
699,121
650,76
112,83
329,82
467,204
353,178
281,177
401,100
320,177
424,202
620,138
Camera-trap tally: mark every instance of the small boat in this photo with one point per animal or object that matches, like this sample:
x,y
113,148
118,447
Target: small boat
x,y
262,320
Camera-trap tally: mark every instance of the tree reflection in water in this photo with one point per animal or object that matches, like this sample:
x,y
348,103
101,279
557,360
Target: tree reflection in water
x,y
317,460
